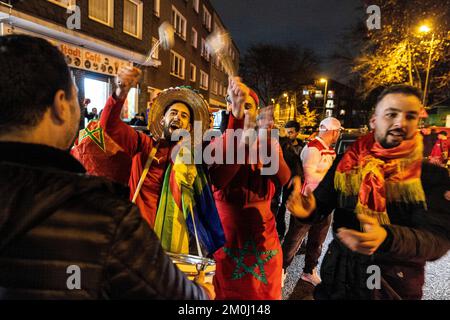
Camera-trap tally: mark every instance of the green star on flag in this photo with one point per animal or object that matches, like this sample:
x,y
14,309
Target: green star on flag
x,y
250,250
95,135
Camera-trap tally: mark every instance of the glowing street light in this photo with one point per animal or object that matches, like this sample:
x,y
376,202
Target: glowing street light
x,y
323,80
424,29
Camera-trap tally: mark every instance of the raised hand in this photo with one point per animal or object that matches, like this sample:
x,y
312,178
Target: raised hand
x,y
127,78
299,205
366,242
238,93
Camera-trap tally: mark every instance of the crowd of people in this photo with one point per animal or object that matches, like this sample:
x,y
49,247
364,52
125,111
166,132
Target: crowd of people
x,y
119,204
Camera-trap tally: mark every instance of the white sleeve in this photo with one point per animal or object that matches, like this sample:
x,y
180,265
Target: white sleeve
x,y
311,159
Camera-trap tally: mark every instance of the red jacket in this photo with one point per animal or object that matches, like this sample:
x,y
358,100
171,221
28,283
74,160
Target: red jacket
x,y
243,199
138,146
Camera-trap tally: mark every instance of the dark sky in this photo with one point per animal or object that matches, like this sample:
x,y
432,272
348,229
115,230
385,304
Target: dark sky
x,y
310,23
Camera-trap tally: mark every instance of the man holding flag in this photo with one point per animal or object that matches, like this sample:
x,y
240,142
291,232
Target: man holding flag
x,y
173,197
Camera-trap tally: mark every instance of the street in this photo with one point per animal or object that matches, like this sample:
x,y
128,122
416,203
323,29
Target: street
x,y
437,278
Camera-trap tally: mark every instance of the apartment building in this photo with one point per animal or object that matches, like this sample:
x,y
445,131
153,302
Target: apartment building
x,y
98,36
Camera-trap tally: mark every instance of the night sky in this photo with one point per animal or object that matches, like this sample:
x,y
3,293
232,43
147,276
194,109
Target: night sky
x,y
315,24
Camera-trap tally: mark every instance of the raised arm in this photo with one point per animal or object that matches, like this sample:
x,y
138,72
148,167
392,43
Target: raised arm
x,y
121,133
222,174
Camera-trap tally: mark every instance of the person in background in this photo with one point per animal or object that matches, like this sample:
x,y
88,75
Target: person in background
x,y
138,120
439,153
429,140
317,158
93,115
292,148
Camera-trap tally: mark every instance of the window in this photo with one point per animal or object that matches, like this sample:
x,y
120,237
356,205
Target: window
x,y
132,17
194,37
156,7
206,18
155,54
204,52
196,5
179,23
204,80
63,3
193,73
176,65
102,11
215,86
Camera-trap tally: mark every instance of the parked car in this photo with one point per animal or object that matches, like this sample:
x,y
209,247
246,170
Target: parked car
x,y
346,140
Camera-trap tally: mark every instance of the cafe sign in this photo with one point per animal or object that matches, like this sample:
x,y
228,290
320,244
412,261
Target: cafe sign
x,y
77,57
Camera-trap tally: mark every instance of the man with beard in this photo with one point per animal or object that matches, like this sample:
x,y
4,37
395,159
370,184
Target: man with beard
x,y
63,234
159,185
390,211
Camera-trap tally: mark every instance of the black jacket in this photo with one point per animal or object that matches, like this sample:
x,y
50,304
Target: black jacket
x,y
53,216
415,236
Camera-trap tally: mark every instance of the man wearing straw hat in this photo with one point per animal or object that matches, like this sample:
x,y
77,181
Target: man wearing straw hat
x,y
174,198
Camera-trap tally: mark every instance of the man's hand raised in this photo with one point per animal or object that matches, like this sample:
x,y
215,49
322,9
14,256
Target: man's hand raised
x,y
299,205
238,93
127,78
366,242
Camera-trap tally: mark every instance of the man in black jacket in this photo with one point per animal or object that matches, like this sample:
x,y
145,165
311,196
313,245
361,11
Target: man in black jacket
x,y
292,148
65,235
391,214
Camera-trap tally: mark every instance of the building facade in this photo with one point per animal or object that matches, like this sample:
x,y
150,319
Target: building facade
x,y
99,36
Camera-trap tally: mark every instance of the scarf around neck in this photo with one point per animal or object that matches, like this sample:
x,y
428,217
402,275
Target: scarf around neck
x,y
374,176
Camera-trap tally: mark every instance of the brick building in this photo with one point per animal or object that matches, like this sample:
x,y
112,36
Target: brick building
x,y
117,32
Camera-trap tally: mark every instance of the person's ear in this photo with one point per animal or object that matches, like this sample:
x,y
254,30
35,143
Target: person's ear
x,y
372,122
161,122
188,128
60,108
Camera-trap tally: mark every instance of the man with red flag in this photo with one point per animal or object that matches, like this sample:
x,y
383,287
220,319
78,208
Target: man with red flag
x,y
147,165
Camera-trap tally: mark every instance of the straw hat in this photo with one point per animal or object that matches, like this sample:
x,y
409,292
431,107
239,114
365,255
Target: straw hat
x,y
198,107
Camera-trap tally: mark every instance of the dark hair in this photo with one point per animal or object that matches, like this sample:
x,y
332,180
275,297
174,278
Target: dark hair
x,y
444,133
292,124
31,72
401,89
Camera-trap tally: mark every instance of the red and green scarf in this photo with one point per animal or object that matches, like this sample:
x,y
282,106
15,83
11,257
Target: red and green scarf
x,y
377,176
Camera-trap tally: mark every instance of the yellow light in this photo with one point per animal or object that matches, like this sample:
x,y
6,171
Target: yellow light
x,y
285,95
323,80
424,29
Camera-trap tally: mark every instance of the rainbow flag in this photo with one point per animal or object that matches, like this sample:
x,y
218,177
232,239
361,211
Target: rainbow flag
x,y
186,194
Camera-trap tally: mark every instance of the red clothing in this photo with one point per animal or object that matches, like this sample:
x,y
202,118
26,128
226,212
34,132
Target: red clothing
x,y
250,264
439,152
138,146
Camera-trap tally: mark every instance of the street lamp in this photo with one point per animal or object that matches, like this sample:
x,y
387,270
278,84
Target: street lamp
x,y
426,29
323,80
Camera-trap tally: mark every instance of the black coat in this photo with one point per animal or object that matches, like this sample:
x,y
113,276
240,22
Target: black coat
x,y
53,216
415,236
